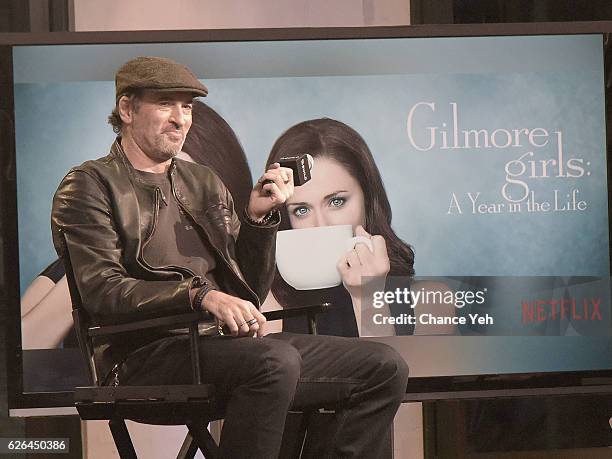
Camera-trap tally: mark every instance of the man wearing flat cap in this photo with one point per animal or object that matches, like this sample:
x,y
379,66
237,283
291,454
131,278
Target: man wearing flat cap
x,y
151,235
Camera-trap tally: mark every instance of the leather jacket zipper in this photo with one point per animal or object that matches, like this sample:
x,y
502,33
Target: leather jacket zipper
x,y
179,269
155,218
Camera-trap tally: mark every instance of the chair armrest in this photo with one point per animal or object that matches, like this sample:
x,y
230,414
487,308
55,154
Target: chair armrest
x,y
189,320
179,320
309,311
295,312
184,320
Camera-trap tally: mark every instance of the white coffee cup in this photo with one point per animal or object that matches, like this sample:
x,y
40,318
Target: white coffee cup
x,y
307,258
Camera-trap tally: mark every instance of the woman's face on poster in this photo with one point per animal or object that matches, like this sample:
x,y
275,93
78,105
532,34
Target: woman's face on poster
x,y
331,197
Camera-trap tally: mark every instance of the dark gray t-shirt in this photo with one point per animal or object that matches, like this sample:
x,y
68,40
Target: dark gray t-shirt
x,y
176,240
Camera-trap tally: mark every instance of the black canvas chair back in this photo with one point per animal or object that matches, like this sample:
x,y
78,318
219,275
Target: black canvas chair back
x,y
79,316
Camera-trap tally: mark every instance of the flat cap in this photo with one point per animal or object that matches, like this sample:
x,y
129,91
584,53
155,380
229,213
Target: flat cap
x,y
158,74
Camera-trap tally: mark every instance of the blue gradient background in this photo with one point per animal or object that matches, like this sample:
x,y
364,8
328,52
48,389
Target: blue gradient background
x,y
64,94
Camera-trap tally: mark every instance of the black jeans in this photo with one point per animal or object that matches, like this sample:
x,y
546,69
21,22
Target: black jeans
x,y
258,379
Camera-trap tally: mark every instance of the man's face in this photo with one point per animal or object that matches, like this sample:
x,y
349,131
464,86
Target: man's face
x,y
160,122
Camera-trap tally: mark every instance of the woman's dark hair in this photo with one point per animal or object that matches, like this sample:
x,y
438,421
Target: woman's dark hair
x,y
212,142
335,140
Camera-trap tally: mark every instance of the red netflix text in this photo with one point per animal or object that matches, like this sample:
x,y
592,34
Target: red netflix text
x,y
561,309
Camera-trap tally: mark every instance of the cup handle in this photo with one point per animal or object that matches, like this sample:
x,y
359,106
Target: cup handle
x,y
352,242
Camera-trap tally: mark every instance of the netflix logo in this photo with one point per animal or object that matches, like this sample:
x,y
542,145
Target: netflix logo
x,y
587,308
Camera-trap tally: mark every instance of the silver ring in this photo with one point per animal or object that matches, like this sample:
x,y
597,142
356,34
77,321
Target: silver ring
x,y
253,321
241,324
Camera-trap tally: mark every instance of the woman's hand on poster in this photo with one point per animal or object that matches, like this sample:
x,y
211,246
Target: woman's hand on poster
x,y
364,272
362,266
272,189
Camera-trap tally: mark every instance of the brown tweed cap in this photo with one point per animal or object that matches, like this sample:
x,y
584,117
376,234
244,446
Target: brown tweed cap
x,y
156,73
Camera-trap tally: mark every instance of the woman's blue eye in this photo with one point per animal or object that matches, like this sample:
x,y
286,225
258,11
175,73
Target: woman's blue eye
x,y
300,211
337,202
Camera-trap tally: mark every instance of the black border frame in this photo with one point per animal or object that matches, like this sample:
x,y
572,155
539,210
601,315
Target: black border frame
x,y
305,33
419,389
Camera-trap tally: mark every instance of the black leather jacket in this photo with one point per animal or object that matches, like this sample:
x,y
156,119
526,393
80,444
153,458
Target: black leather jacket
x,y
107,215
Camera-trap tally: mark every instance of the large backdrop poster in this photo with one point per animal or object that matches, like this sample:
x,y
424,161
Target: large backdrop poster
x,y
491,151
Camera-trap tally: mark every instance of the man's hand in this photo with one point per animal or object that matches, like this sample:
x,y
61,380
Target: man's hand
x,y
272,189
240,316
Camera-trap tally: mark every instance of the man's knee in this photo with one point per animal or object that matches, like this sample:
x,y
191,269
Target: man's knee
x,y
281,367
283,360
393,366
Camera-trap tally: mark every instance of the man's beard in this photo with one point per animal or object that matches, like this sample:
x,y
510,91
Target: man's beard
x,y
163,149
159,148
